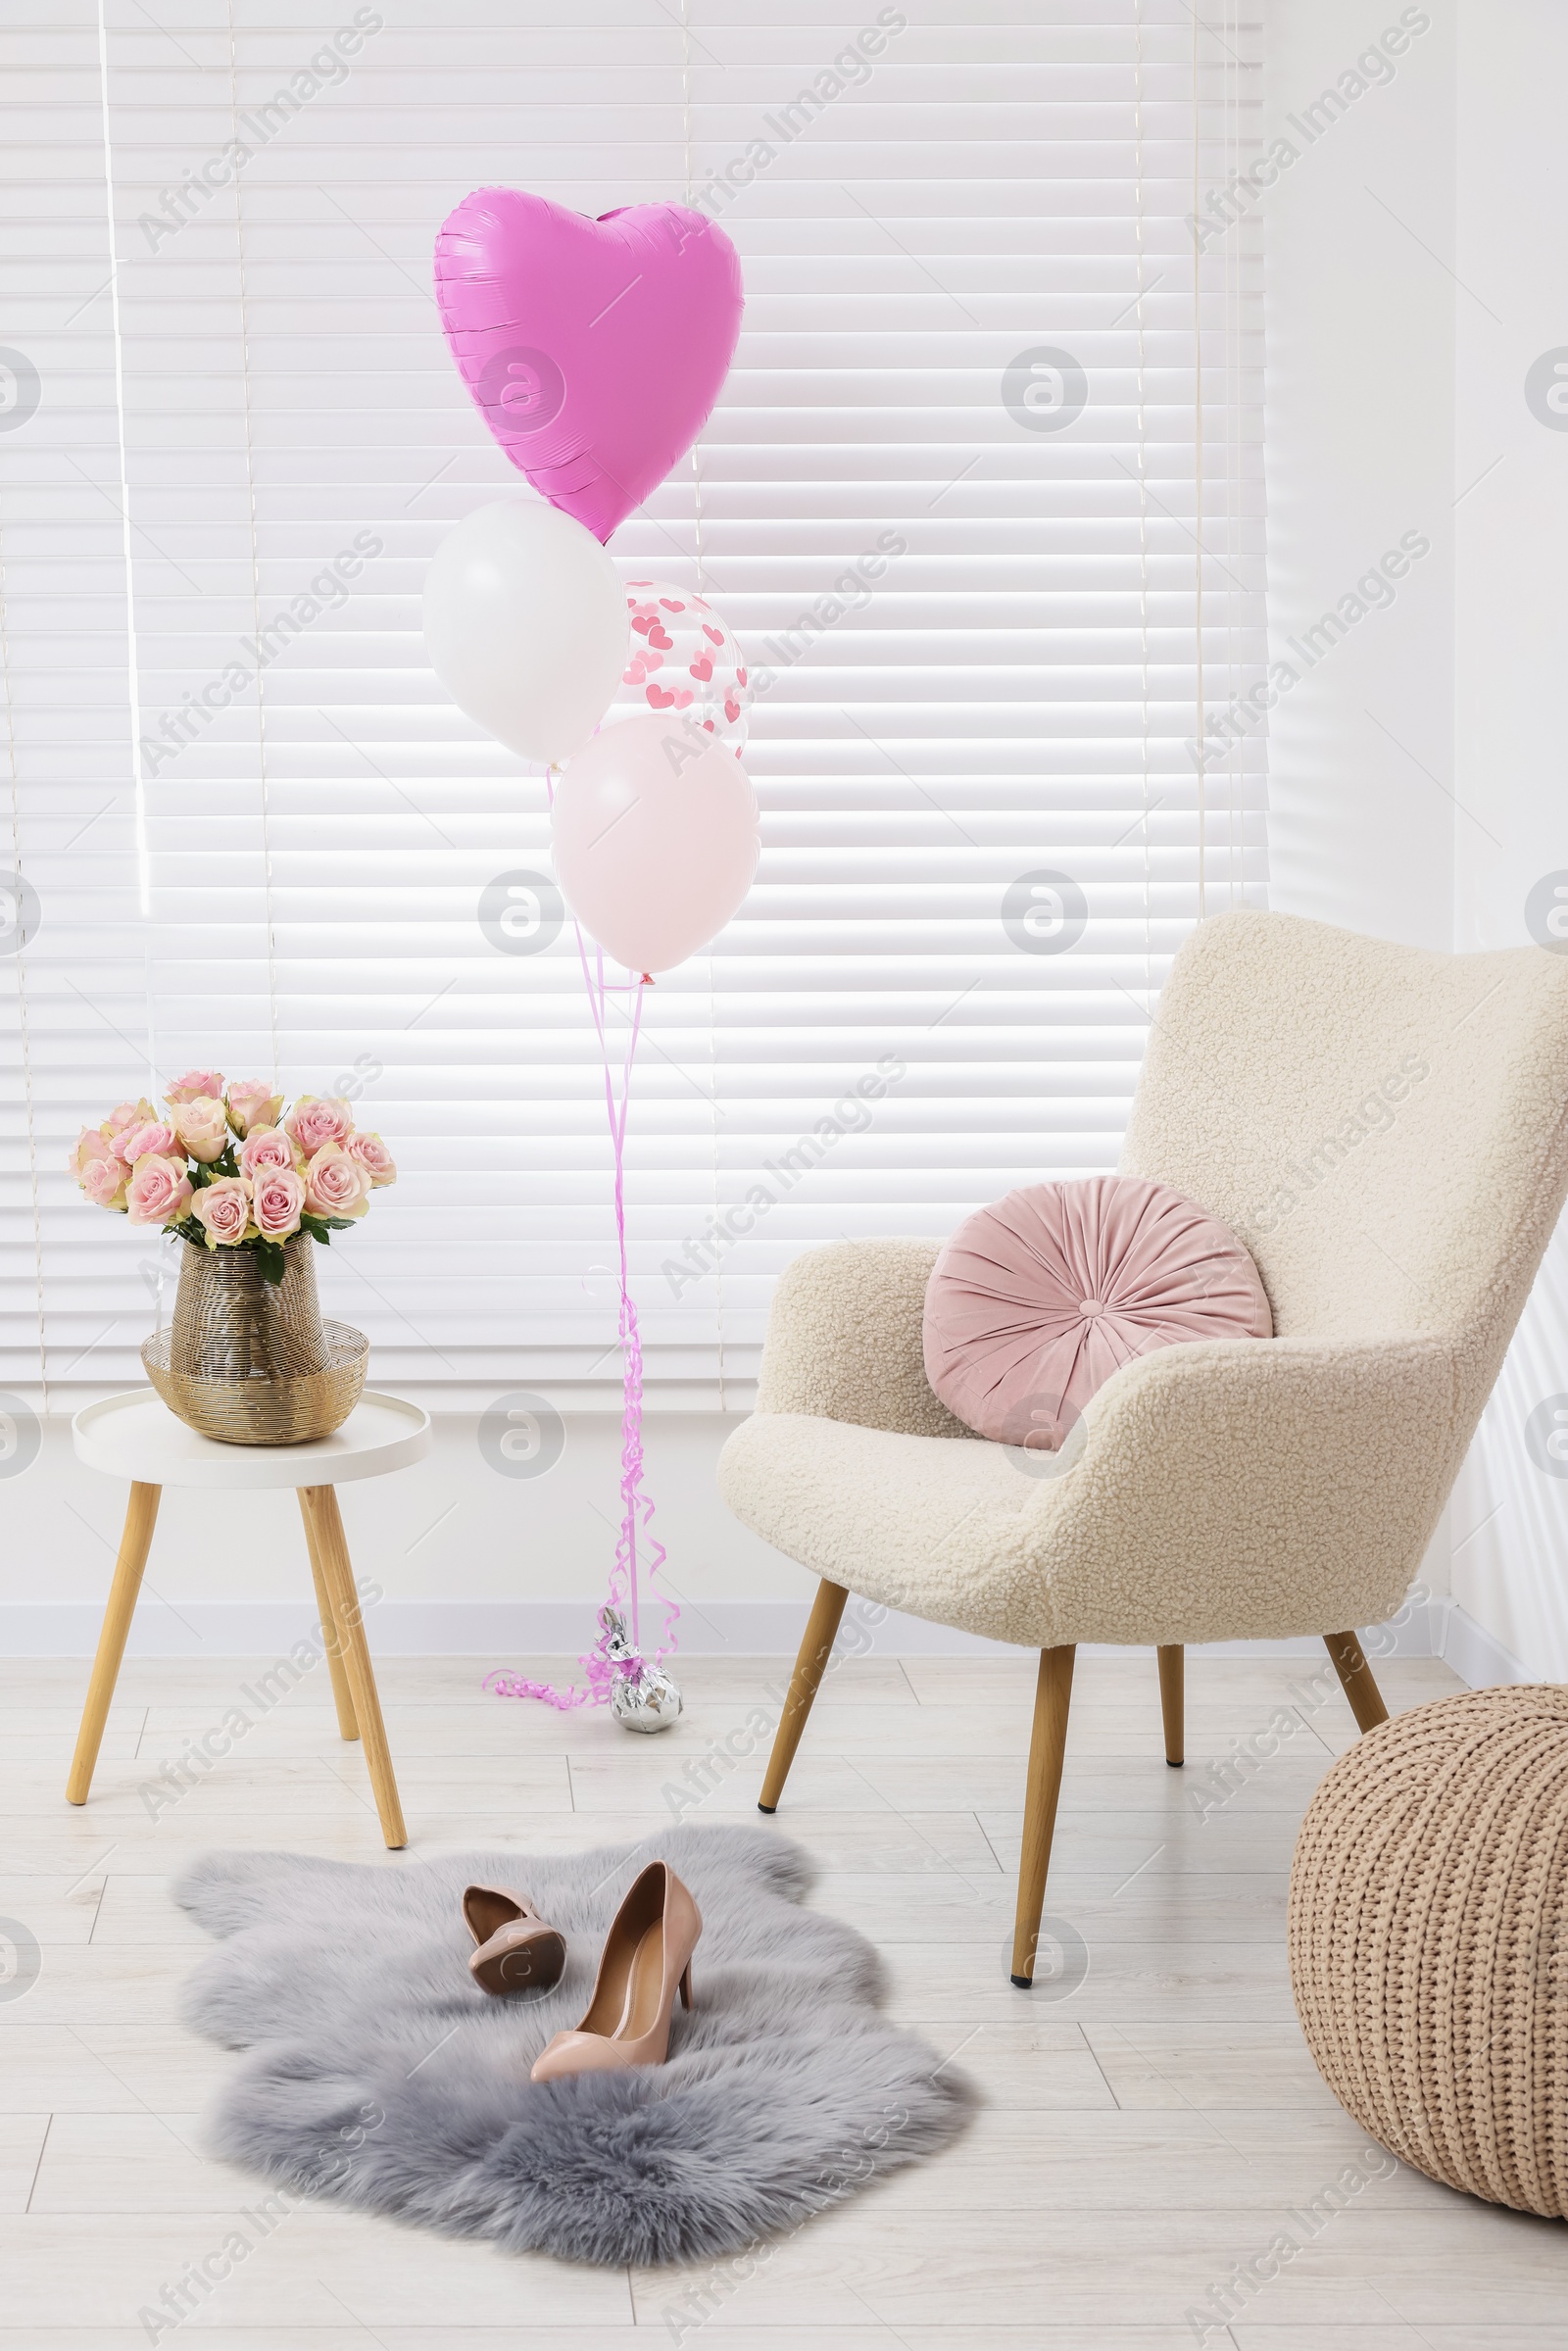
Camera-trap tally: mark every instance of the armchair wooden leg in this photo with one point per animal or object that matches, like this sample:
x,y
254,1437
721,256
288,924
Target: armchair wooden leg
x,y
1350,1663
1172,1701
1046,1744
811,1665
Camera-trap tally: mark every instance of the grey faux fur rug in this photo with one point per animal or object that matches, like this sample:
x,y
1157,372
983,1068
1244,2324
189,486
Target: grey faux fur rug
x,y
380,2075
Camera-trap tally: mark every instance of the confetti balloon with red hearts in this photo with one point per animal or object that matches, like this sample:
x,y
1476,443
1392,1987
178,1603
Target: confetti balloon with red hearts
x,y
682,658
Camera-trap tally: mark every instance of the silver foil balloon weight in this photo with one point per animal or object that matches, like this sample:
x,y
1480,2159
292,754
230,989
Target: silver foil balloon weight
x,y
641,1696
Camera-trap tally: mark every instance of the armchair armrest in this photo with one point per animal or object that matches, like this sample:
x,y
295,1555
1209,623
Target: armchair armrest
x,y
1222,1490
843,1338
1243,1488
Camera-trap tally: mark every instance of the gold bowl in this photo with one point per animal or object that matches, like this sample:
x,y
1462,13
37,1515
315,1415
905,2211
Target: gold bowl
x,y
261,1410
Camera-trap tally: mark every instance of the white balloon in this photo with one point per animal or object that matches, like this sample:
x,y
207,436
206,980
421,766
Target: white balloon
x,y
525,624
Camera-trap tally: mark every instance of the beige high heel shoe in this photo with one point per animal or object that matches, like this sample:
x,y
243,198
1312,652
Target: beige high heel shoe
x,y
519,1950
646,1957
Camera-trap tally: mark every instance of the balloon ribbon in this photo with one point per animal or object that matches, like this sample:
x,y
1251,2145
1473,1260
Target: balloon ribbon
x,y
637,1506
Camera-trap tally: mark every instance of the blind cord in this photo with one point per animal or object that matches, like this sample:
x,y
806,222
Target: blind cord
x,y
701,590
144,878
24,1033
143,858
256,579
1198,476
1143,500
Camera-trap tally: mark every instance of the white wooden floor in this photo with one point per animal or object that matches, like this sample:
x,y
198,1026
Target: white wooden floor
x,y
1147,2128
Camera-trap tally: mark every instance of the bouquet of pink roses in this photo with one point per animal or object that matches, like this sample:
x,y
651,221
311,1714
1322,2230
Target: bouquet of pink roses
x,y
225,1168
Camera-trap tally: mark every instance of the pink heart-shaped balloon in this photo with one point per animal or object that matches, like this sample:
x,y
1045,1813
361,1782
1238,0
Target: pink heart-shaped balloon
x,y
593,349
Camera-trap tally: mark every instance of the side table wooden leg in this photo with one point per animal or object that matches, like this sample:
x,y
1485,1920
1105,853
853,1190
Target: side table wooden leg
x,y
141,1516
320,1504
342,1696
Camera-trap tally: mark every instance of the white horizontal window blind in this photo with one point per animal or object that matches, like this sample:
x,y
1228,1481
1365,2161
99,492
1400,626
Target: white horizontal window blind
x,y
981,500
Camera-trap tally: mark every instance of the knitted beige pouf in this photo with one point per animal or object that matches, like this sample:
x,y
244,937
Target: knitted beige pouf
x,y
1429,1940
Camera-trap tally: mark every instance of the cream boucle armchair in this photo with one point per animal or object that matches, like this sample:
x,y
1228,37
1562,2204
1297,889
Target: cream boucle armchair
x,y
1387,1130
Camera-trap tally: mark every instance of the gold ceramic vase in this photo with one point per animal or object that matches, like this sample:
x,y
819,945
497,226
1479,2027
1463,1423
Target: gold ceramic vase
x,y
251,1362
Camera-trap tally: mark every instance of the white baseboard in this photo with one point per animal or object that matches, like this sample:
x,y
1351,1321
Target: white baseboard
x,y
501,1631
506,1630
1476,1655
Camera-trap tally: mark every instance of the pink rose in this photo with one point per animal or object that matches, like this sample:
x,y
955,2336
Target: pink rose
x,y
277,1198
337,1185
316,1119
202,1125
91,1144
127,1115
225,1209
156,1136
374,1157
158,1190
265,1146
252,1105
194,1086
104,1182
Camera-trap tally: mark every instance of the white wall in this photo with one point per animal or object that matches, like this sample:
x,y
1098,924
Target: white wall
x,y
1511,638
470,1556
1359,451
1415,775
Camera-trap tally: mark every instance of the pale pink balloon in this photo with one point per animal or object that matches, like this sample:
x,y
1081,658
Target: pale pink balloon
x,y
655,840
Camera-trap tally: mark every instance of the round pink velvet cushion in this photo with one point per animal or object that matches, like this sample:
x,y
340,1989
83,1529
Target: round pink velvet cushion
x,y
1035,1302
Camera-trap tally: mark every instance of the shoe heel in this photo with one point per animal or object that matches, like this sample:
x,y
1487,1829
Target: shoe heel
x,y
656,1916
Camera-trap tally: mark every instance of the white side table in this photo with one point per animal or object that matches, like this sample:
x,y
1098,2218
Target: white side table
x,y
135,1435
